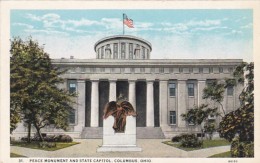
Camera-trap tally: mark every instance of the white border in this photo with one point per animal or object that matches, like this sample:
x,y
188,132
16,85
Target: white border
x,y
6,6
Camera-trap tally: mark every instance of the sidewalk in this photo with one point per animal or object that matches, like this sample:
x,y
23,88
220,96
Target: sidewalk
x,y
151,148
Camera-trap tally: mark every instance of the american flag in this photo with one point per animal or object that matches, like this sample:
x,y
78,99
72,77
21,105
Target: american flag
x,y
128,22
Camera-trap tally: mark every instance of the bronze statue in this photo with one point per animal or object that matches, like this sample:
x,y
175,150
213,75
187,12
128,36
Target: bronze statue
x,y
119,111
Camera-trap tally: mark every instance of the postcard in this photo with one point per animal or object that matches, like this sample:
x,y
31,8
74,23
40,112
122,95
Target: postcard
x,y
129,81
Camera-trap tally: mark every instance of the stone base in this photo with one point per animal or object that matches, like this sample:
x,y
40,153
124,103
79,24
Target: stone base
x,y
119,149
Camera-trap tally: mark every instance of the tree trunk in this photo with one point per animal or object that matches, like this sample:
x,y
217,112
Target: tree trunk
x,y
202,132
222,109
39,132
29,132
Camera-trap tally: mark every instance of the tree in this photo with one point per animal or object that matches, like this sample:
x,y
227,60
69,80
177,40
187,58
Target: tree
x,y
215,92
35,96
241,121
199,115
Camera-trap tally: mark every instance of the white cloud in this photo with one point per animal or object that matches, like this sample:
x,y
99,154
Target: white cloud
x,y
203,23
50,16
170,47
81,47
208,47
208,28
167,24
236,32
143,25
192,25
33,17
43,31
250,25
82,22
27,26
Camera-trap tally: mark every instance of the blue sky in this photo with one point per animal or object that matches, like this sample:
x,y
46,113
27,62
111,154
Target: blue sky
x,y
174,34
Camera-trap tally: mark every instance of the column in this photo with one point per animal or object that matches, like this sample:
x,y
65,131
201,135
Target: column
x,y
81,87
149,105
132,96
94,104
182,98
163,103
112,90
201,86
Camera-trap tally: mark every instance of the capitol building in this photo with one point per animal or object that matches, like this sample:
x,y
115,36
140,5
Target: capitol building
x,y
160,90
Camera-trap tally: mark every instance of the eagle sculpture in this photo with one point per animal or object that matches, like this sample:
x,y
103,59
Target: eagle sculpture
x,y
119,110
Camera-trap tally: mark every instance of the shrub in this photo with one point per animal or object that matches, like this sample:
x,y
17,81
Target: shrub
x,y
65,138
242,149
50,138
47,145
176,138
210,129
190,141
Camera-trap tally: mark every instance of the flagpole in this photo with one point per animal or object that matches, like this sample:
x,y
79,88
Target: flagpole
x,y
123,24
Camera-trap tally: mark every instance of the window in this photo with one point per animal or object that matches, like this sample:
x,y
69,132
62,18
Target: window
x,y
211,70
72,85
82,69
148,55
143,53
102,69
201,70
99,53
211,82
142,69
122,70
132,70
161,70
152,70
112,69
190,89
108,51
93,70
230,90
72,70
122,50
171,70
137,52
173,117
230,70
180,69
130,51
172,89
116,51
190,70
102,52
72,116
221,70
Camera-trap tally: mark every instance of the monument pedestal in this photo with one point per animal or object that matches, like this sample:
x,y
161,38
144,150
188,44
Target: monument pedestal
x,y
113,141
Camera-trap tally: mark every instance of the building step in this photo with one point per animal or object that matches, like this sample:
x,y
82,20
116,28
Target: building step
x,y
92,132
142,133
149,133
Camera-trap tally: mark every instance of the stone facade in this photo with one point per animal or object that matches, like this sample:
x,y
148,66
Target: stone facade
x,y
159,89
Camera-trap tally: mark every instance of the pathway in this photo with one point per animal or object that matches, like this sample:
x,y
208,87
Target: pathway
x,y
150,148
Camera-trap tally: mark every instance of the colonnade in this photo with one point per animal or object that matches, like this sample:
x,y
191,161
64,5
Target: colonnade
x,y
181,100
94,113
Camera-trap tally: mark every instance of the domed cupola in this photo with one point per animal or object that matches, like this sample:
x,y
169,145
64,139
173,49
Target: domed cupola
x,y
123,47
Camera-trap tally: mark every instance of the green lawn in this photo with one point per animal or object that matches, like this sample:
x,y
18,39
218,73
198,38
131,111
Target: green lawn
x,y
15,155
206,144
222,155
34,145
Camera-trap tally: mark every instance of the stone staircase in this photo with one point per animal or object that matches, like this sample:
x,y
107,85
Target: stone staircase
x,y
142,133
169,132
92,132
149,133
